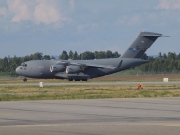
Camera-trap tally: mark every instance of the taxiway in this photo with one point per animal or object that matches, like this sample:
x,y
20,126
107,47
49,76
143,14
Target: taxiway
x,y
90,83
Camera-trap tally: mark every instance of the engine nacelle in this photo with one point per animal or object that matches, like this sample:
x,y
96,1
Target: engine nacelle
x,y
57,68
73,69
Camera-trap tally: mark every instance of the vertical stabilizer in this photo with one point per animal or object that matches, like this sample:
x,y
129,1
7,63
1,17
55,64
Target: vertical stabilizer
x,y
141,44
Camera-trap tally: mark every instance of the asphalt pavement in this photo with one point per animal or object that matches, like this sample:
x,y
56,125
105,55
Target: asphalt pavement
x,y
89,83
135,116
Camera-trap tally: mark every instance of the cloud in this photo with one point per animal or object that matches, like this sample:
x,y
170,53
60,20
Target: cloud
x,y
35,11
169,4
46,12
19,10
170,13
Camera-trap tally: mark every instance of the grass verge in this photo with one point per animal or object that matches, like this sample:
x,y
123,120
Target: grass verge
x,y
15,93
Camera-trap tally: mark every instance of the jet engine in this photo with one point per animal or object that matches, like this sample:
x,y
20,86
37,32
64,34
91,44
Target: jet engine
x,y
73,69
57,68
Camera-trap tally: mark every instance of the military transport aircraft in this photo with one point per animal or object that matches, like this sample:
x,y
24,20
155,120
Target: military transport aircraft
x,y
86,69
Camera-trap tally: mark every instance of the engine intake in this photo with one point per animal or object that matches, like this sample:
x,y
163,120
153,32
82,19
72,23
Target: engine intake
x,y
73,69
57,68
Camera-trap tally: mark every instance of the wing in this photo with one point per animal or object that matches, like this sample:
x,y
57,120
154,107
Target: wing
x,y
84,65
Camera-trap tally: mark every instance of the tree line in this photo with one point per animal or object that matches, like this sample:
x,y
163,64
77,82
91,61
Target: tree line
x,y
163,63
88,55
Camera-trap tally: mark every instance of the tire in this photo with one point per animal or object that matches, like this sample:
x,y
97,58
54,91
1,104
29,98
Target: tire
x,y
70,79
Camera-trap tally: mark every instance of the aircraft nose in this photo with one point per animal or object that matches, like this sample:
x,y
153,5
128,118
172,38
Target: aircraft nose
x,y
18,70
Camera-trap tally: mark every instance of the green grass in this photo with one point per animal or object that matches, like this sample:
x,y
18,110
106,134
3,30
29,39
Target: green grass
x,y
15,93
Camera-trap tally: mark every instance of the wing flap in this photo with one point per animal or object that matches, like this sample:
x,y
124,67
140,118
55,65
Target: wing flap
x,y
84,65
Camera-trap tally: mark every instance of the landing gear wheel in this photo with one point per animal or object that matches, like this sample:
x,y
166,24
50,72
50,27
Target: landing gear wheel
x,y
70,79
25,79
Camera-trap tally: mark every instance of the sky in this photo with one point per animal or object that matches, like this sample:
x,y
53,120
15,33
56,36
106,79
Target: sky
x,y
51,26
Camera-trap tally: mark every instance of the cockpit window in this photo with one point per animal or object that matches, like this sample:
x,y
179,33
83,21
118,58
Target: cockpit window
x,y
24,65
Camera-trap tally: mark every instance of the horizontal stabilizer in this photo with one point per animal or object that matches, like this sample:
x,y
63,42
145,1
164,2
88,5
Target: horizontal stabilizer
x,y
150,34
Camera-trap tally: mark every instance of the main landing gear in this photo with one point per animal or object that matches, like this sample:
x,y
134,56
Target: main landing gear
x,y
25,79
70,79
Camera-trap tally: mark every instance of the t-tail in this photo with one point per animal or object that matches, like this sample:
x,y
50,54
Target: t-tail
x,y
141,44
